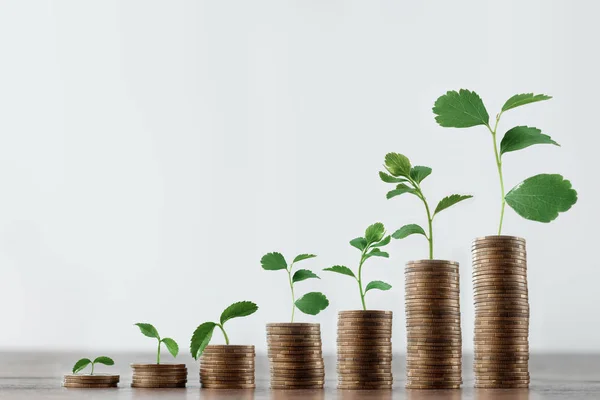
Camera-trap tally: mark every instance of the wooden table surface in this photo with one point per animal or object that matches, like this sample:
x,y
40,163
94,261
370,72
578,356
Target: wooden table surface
x,y
38,376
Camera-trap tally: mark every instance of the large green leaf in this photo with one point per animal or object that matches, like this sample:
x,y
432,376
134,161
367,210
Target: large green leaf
x,y
418,173
387,178
400,189
461,109
303,274
383,242
104,360
521,137
522,99
239,309
359,242
273,262
301,257
541,197
201,338
379,285
407,230
81,364
148,330
340,269
449,201
374,233
172,346
397,164
312,303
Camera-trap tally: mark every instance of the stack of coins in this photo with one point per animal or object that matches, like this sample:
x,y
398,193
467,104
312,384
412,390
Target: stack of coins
x,y
434,338
295,356
501,312
227,367
364,346
91,381
159,375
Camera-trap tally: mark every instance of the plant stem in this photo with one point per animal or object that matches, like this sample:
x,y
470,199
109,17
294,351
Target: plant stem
x,y
292,288
429,217
499,166
362,294
224,333
92,373
158,354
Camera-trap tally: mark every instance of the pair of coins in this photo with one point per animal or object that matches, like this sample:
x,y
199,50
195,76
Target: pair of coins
x,y
501,302
159,375
228,367
295,356
100,381
434,336
364,344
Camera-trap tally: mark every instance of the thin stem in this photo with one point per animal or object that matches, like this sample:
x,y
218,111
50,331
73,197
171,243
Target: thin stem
x,y
362,294
292,288
499,166
92,373
158,354
429,216
224,333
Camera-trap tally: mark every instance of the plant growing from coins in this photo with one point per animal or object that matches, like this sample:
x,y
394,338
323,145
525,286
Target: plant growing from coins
x,y
203,333
84,362
311,303
369,246
151,332
408,180
538,198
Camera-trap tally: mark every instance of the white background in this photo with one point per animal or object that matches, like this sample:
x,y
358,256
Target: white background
x,y
152,151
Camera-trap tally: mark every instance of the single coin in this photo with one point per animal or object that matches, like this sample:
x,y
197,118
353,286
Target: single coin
x,y
228,385
229,348
445,281
89,385
92,378
497,282
364,386
302,337
160,385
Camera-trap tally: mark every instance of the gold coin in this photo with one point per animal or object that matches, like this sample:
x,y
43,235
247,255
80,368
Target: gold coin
x,y
231,385
89,385
157,386
229,348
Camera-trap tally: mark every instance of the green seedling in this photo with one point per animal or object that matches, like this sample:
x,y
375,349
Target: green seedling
x,y
369,246
408,180
311,303
151,332
203,333
84,362
538,198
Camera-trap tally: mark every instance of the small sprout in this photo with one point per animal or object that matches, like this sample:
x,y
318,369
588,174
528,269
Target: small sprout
x,y
84,362
151,332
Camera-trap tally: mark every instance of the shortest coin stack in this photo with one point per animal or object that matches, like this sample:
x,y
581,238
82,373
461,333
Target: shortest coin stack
x,y
364,346
227,367
159,375
91,381
295,356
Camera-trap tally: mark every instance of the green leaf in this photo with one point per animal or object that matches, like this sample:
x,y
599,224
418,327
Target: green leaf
x,y
418,173
303,274
384,242
522,99
239,309
148,330
273,262
301,257
201,338
312,303
377,253
340,269
379,285
521,137
461,109
81,364
541,197
397,164
400,189
104,360
172,346
374,233
449,201
387,178
407,230
360,243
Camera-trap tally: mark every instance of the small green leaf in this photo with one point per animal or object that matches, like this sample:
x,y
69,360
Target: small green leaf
x,y
522,99
340,269
377,253
312,303
521,137
273,262
148,330
172,346
418,173
541,197
379,285
303,274
301,257
360,243
449,201
201,338
374,233
239,309
397,164
407,230
81,364
387,178
400,189
461,109
104,360
384,242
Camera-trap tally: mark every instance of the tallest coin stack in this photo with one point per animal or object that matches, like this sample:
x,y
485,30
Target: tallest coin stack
x,y
501,312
